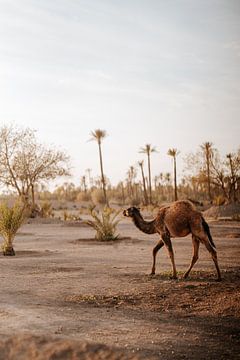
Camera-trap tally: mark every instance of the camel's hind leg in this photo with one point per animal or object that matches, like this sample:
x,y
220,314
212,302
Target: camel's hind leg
x,y
155,251
204,239
196,244
167,241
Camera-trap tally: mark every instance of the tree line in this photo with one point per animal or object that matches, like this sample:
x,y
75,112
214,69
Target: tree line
x,y
26,166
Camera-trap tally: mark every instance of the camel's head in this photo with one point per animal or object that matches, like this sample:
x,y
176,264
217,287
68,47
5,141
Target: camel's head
x,y
131,212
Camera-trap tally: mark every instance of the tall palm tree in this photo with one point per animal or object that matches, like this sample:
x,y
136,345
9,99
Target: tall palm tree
x,y
98,135
208,151
148,149
140,163
174,152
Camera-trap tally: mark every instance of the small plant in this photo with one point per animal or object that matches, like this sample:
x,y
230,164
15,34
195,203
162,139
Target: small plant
x,y
104,223
11,219
65,215
46,209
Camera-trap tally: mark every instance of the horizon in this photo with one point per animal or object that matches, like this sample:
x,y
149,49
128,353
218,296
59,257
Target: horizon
x,y
161,73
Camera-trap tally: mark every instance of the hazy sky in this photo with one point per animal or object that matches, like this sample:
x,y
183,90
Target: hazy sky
x,y
164,72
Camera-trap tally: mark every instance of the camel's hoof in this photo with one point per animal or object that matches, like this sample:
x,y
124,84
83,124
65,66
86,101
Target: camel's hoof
x,y
219,279
185,276
174,277
152,274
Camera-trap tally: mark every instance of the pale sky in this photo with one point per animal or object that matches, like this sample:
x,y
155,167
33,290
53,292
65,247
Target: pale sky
x,y
164,72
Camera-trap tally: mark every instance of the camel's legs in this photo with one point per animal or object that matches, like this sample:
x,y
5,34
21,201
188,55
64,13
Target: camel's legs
x,y
196,244
167,241
155,250
204,239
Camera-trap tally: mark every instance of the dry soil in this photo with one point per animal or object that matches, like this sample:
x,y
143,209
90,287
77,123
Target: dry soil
x,y
63,288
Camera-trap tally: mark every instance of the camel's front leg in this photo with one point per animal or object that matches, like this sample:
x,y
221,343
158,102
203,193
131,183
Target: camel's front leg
x,y
155,250
167,241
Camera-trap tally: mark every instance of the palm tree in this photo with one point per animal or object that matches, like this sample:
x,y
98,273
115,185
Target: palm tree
x,y
174,152
140,163
131,176
208,151
98,135
148,149
88,171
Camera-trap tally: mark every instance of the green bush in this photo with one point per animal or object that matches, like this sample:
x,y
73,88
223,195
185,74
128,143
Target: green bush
x,y
105,223
11,219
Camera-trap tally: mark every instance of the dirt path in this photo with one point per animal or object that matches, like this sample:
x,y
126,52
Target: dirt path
x,y
63,284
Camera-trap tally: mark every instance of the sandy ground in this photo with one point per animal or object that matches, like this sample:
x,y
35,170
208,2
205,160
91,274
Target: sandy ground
x,y
62,284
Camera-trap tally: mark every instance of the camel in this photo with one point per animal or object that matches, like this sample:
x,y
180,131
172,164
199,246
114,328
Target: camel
x,y
177,220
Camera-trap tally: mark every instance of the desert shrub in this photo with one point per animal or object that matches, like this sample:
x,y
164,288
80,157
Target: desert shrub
x,y
97,196
11,219
105,223
70,216
83,196
46,209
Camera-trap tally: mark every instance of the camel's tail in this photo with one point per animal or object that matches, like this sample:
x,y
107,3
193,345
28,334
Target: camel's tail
x,y
207,230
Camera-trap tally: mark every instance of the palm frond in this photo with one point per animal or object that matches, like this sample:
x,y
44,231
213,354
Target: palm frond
x,y
104,223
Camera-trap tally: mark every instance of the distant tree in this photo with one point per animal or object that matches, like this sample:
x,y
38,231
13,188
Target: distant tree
x,y
174,152
83,183
24,162
148,149
98,135
88,171
140,163
131,176
234,166
223,174
208,153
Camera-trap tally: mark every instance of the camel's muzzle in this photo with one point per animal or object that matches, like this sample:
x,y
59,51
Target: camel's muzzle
x,y
125,213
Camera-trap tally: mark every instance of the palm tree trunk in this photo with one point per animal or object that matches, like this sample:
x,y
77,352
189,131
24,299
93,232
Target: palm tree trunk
x,y
144,185
175,179
102,174
149,180
208,175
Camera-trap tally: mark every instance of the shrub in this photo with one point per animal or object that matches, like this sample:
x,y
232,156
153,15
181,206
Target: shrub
x,y
104,223
11,219
46,209
83,196
70,216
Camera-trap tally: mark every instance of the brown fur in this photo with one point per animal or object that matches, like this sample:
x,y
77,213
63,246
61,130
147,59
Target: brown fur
x,y
177,220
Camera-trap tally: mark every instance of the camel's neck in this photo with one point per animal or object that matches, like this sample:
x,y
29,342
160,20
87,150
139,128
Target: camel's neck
x,y
147,227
